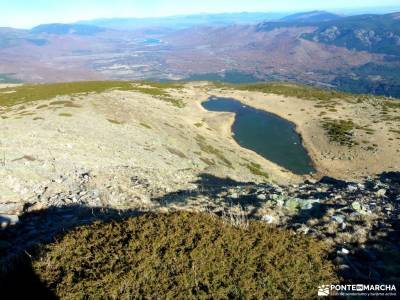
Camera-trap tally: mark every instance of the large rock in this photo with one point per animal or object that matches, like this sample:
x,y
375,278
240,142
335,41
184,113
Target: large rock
x,y
358,208
292,204
339,219
295,204
268,218
261,197
7,220
381,193
11,208
308,203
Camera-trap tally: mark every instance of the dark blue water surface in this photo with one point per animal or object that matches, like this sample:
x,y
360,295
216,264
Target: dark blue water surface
x,y
267,134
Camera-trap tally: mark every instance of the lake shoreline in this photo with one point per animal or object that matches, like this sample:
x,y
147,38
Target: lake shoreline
x,y
329,159
301,162
228,132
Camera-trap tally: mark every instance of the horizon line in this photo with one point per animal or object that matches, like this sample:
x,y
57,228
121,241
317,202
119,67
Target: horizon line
x,y
339,11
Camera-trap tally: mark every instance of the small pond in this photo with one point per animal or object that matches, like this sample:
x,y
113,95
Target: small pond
x,y
267,134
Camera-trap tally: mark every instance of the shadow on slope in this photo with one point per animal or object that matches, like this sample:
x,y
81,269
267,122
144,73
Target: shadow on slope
x,y
19,244
212,187
376,262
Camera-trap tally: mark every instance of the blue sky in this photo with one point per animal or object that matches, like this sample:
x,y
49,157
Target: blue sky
x,y
27,13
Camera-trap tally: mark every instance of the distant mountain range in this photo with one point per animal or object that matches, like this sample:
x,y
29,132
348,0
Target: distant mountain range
x,y
312,16
352,53
372,33
79,29
182,22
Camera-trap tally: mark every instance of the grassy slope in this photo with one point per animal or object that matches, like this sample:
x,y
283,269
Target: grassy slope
x,y
306,92
33,92
183,255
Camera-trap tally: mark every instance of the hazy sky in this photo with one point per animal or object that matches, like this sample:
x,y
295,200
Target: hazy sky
x,y
27,13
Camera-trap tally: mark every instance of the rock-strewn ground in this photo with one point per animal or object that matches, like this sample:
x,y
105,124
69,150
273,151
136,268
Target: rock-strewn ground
x,y
77,158
115,137
360,222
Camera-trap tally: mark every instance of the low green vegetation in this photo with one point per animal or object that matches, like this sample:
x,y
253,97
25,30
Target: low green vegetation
x,y
340,131
160,91
34,92
116,122
163,85
394,131
207,161
183,256
65,103
25,113
65,115
146,125
392,105
366,129
60,102
72,105
293,90
327,98
176,152
256,169
205,147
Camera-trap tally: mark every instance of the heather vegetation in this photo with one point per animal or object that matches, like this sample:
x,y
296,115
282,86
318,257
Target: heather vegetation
x,y
256,169
306,92
160,91
33,92
209,149
340,131
183,256
291,90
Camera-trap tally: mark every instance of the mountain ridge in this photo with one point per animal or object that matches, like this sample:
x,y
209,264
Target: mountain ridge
x,y
65,28
311,16
184,21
